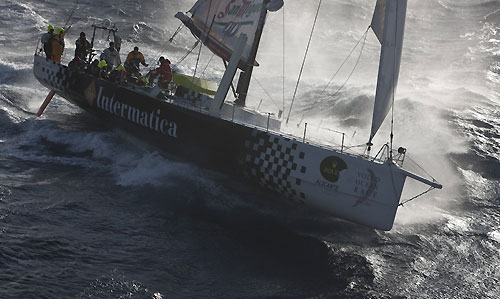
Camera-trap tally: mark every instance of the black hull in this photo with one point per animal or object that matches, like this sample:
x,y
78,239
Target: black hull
x,y
332,181
208,141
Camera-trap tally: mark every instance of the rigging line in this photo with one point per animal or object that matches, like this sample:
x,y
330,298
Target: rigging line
x,y
267,93
206,37
188,53
345,82
334,131
416,196
197,61
71,14
363,37
304,60
171,39
420,167
354,146
181,26
354,68
347,58
206,66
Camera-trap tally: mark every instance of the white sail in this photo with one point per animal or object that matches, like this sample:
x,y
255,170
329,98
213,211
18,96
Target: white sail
x,y
219,24
388,24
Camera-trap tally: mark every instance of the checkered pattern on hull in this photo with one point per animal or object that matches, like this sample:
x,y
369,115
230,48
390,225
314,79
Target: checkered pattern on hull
x,y
56,75
275,162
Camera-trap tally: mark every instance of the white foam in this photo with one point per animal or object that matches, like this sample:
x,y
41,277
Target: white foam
x,y
149,168
477,186
131,161
458,224
494,235
14,66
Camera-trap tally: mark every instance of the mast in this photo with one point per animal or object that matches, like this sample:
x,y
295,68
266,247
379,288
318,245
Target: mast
x,y
245,76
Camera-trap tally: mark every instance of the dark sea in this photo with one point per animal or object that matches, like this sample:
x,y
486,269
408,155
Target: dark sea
x,y
89,210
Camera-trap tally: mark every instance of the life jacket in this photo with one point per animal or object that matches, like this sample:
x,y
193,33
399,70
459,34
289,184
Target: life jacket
x,y
135,58
58,46
164,71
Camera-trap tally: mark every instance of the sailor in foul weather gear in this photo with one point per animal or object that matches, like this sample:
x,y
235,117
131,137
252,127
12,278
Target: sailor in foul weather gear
x,y
58,44
164,72
111,56
133,60
47,41
83,47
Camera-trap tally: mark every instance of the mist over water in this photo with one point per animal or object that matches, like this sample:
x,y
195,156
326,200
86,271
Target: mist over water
x,y
90,211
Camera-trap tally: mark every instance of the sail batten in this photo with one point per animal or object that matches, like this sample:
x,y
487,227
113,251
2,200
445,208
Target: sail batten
x,y
388,25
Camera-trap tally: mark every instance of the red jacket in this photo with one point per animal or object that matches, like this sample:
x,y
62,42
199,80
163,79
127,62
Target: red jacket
x,y
164,71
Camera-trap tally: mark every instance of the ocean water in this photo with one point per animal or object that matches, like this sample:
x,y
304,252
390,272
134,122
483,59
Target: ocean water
x,y
91,211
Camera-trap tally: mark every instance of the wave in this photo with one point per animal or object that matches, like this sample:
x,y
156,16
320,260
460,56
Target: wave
x,y
480,4
15,72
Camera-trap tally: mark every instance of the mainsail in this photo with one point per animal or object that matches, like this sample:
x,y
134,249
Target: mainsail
x,y
219,23
388,24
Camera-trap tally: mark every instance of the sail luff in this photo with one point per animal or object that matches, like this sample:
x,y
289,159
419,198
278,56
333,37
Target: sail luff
x,y
388,24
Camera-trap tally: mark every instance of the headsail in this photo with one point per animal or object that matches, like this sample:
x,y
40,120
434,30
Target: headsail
x,y
219,23
388,24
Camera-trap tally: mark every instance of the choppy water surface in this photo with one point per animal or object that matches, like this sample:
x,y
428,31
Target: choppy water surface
x,y
90,211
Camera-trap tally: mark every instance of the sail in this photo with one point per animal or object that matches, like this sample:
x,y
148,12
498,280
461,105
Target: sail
x,y
388,24
196,84
219,23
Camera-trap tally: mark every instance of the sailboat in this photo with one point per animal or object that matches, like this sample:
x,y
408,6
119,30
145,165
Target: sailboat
x,y
228,136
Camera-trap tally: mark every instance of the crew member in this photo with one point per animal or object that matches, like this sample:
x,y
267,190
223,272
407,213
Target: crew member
x,y
76,64
83,47
135,58
164,72
58,44
93,68
103,72
47,41
118,76
111,56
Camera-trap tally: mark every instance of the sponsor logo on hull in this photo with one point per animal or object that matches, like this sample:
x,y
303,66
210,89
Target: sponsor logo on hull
x,y
152,120
331,167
